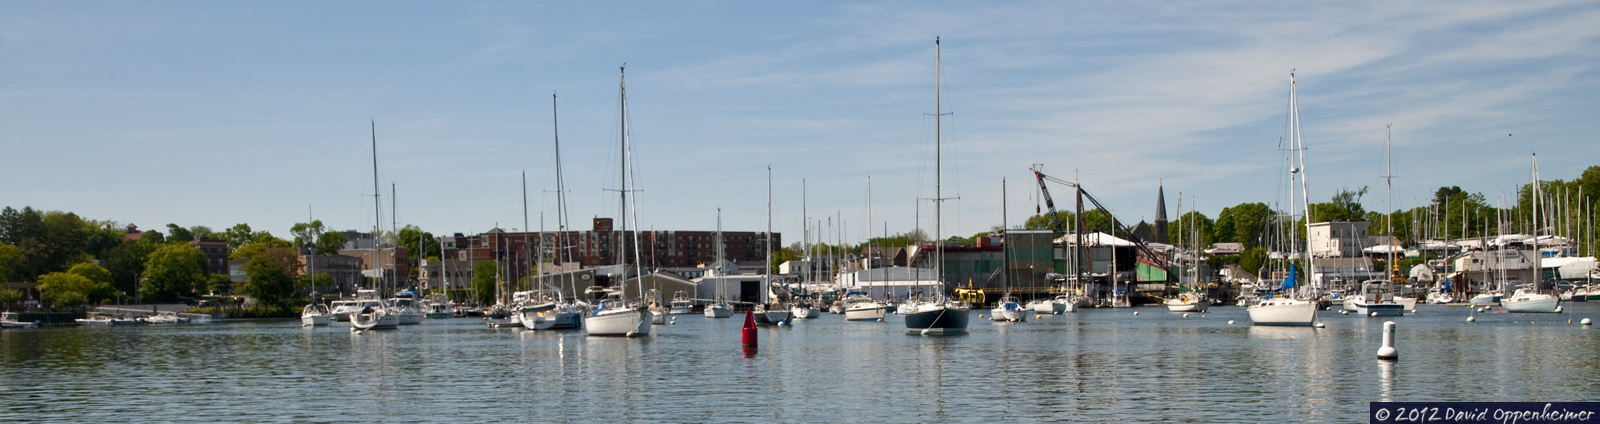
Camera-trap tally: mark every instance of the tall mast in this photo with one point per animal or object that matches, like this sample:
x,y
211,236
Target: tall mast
x,y
1537,277
768,272
527,248
1005,259
394,228
377,208
622,168
561,192
1388,213
938,197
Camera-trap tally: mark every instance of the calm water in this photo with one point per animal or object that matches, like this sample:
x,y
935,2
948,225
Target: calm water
x,y
1096,365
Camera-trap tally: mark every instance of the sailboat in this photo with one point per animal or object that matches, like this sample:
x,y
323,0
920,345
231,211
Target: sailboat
x,y
1288,309
1531,299
1190,298
315,314
372,313
563,312
718,308
617,316
861,306
1378,297
936,314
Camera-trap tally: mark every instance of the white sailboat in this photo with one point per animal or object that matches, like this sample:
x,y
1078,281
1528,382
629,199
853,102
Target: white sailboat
x,y
1288,309
617,316
860,306
718,308
1532,299
936,314
315,315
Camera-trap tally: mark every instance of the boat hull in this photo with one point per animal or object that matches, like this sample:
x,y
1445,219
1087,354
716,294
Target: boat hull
x,y
718,311
619,323
374,321
1195,306
1380,309
1295,314
936,319
865,313
776,316
804,313
317,320
1534,303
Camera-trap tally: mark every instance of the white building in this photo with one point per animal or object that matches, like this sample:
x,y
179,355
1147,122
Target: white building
x,y
1338,238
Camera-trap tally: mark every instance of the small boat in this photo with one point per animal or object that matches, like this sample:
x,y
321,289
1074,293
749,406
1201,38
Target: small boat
x,y
862,307
1530,301
1008,309
718,309
374,317
1045,305
836,308
438,310
166,317
1188,302
804,310
11,320
1375,298
614,317
404,305
681,303
315,315
341,309
1488,298
777,312
566,315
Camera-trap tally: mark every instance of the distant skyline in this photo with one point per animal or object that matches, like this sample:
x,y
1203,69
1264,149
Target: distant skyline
x,y
204,113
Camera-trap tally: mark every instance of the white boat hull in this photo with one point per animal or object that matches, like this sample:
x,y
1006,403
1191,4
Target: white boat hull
x,y
1195,306
1283,313
1003,314
777,316
804,313
379,320
1541,303
316,320
718,311
619,322
865,312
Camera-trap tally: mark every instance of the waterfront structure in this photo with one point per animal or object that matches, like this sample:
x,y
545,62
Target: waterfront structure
x,y
1338,239
344,270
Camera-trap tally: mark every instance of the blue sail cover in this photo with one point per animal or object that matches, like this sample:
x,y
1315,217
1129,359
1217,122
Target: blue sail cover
x,y
1288,283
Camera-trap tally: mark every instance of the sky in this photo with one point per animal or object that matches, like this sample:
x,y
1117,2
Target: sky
x,y
219,113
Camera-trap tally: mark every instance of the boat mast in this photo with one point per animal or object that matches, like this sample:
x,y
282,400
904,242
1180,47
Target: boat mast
x,y
1388,213
377,208
394,228
1298,145
1537,277
527,248
938,197
766,282
622,169
561,204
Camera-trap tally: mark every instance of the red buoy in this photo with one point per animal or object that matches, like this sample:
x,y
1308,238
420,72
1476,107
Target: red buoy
x,y
749,330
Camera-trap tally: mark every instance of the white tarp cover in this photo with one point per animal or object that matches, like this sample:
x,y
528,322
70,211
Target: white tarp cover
x,y
1422,273
1384,249
1094,239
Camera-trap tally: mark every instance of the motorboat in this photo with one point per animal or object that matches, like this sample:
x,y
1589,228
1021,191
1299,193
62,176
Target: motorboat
x,y
168,317
1008,309
315,315
12,320
1487,298
681,304
1046,306
374,317
804,310
1375,299
437,307
563,316
777,312
405,307
341,309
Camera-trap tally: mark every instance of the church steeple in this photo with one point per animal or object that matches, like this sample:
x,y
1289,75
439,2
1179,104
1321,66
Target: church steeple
x,y
1161,214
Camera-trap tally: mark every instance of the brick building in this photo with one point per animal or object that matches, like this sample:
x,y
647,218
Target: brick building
x,y
599,247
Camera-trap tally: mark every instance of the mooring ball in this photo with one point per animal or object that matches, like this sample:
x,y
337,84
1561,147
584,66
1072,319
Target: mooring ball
x,y
1373,314
1585,321
1230,322
1185,315
1136,312
1320,325
1471,319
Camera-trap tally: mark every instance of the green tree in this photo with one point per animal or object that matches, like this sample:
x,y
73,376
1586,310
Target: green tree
x,y
320,282
1178,231
1252,259
65,289
176,233
1245,223
92,272
240,235
272,274
172,271
257,247
201,232
419,244
330,242
483,274
8,255
306,233
219,283
8,297
1346,206
126,263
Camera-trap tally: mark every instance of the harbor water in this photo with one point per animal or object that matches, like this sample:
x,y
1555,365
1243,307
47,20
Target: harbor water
x,y
1097,365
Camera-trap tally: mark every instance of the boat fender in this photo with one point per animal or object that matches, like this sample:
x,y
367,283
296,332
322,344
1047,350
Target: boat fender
x,y
1373,314
1585,321
1344,312
1185,315
1320,325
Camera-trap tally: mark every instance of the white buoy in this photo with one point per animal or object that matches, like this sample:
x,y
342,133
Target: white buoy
x,y
1185,315
1319,325
1373,314
1586,321
1558,309
924,332
1230,322
1136,312
880,319
1471,319
1343,312
1387,352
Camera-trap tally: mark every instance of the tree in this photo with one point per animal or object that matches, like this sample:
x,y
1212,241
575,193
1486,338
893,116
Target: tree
x,y
68,289
92,272
1244,223
240,235
201,232
1252,259
1346,206
418,243
272,274
8,297
257,247
219,283
483,275
330,242
126,263
1178,231
306,233
176,233
320,282
8,255
172,271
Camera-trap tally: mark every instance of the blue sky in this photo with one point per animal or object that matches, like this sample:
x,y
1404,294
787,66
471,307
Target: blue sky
x,y
216,113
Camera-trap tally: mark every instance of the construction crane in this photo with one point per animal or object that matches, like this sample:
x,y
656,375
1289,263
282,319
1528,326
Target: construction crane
x,y
1055,219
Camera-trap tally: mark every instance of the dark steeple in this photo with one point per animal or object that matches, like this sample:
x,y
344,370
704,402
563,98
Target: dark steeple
x,y
1161,215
